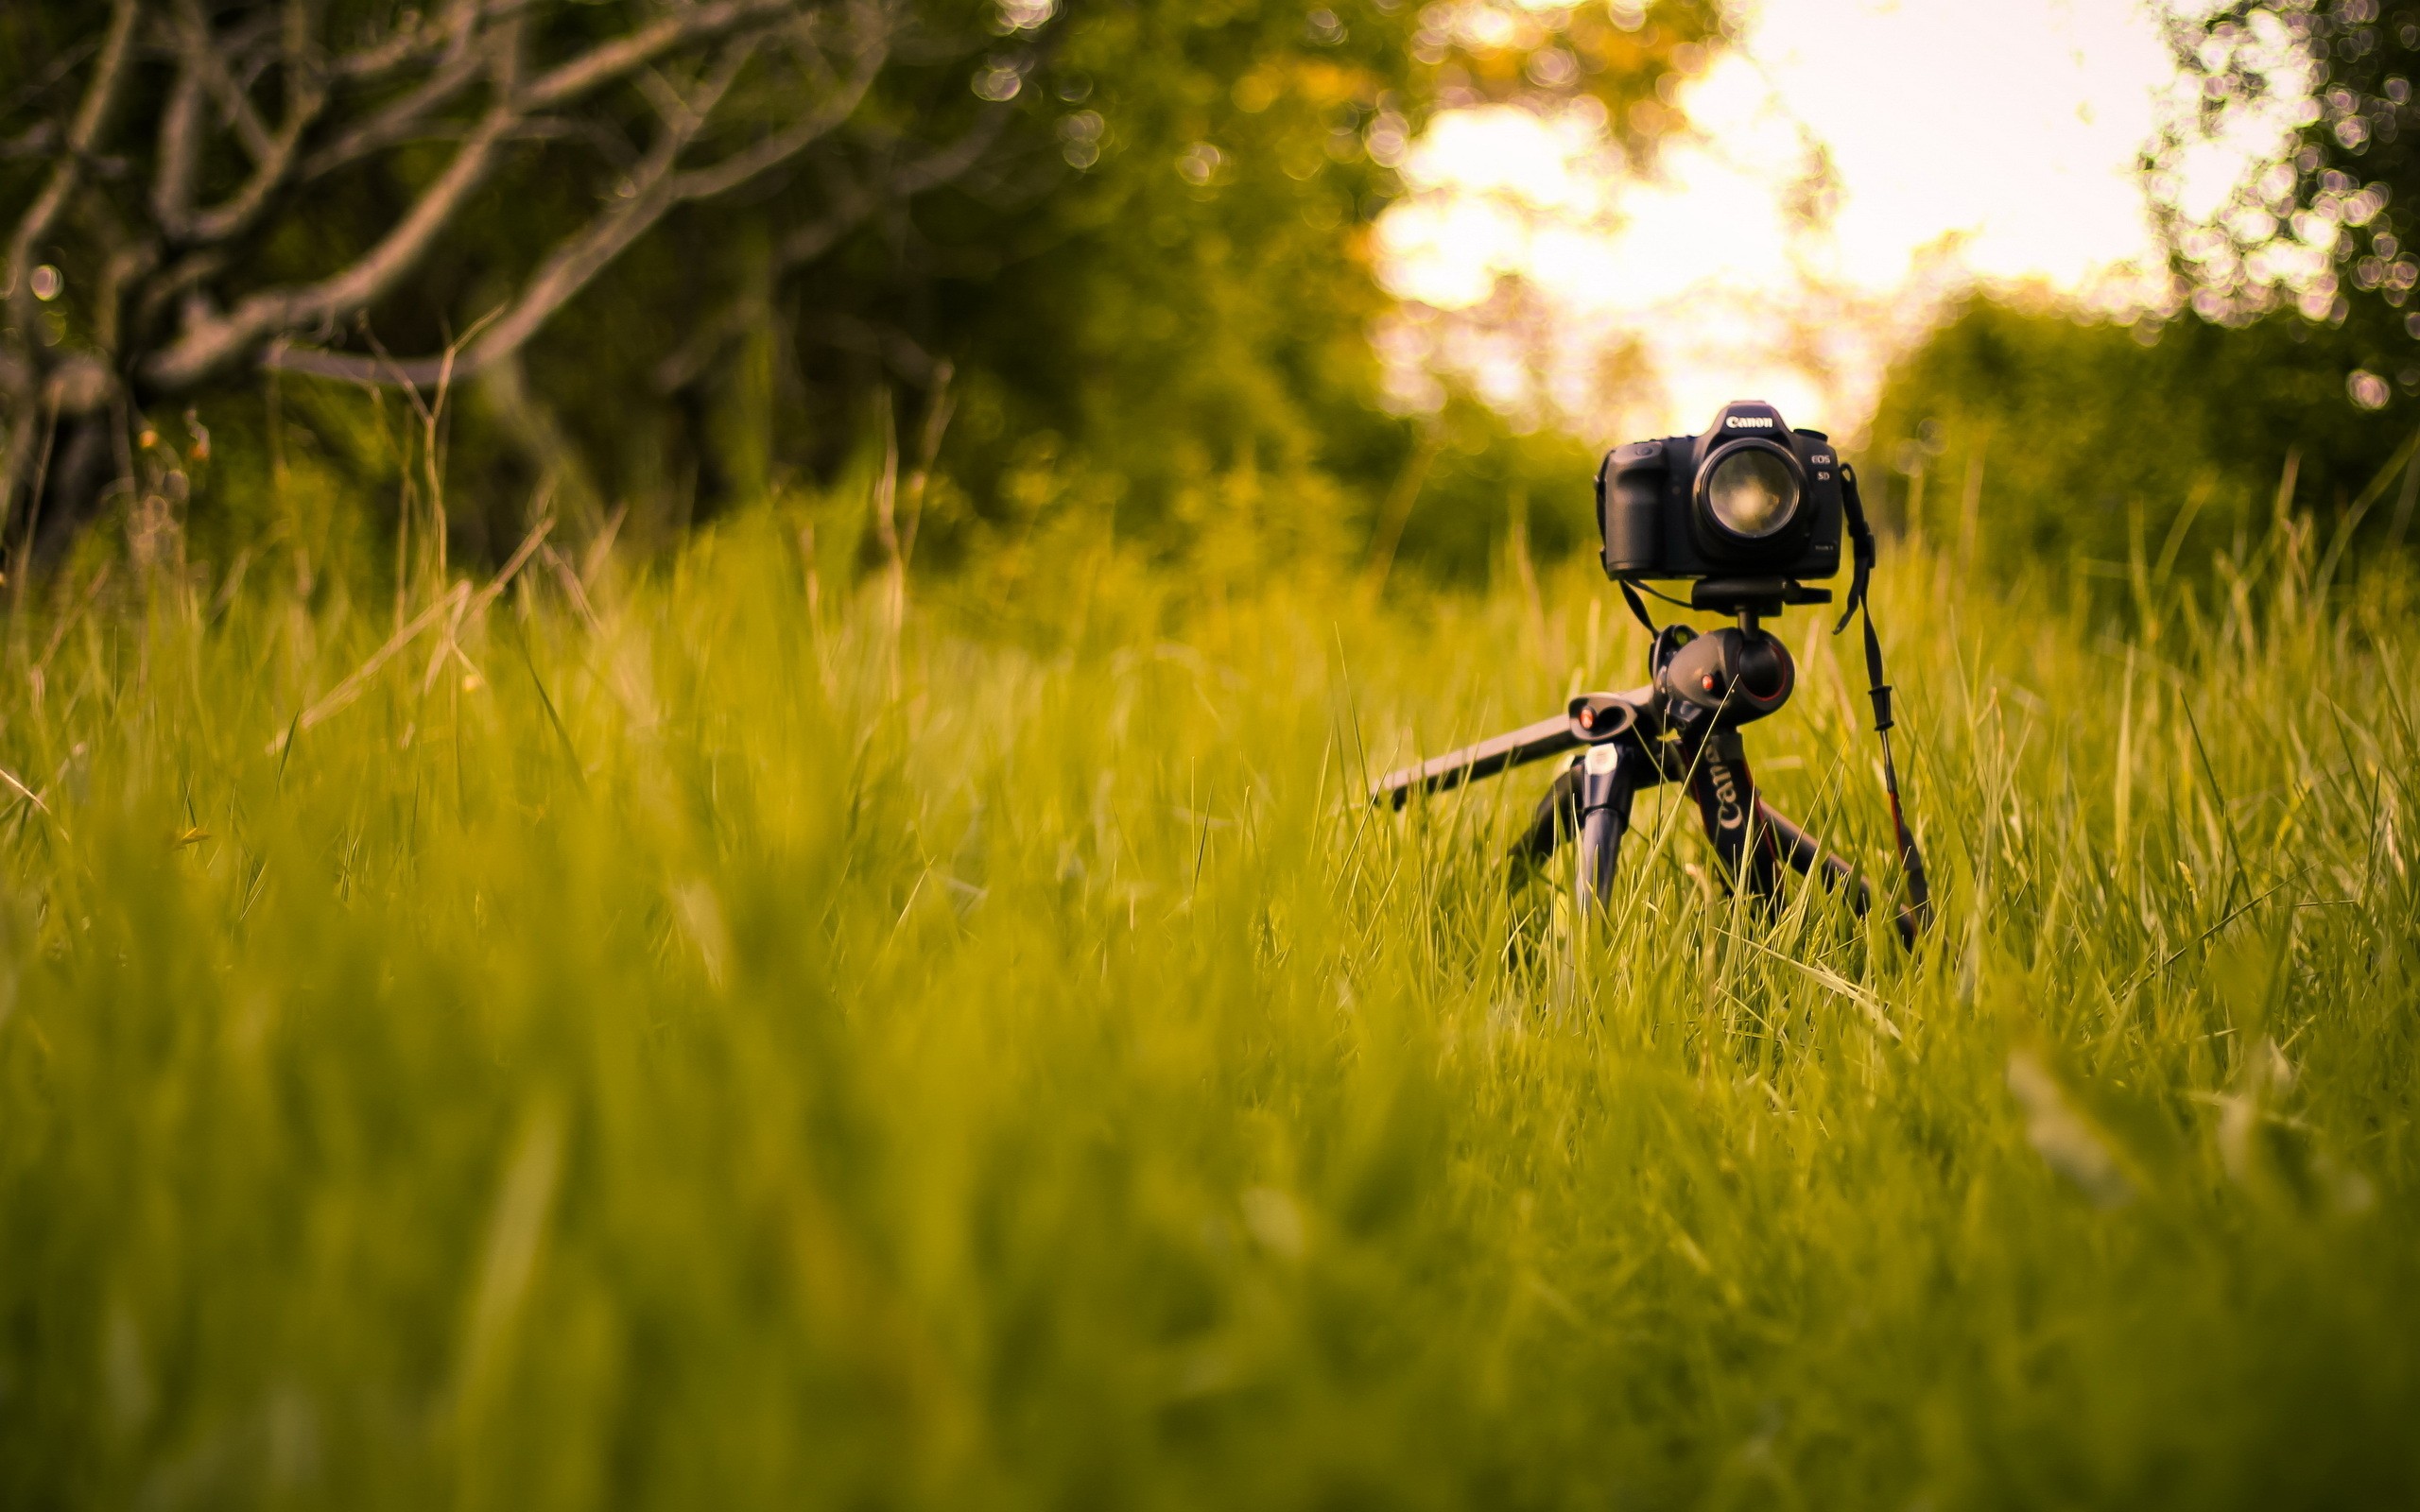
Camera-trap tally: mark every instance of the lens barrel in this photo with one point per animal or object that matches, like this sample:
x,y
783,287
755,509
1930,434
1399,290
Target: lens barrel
x,y
1749,490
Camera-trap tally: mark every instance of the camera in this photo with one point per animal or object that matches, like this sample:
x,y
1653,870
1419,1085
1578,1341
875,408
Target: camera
x,y
1747,510
1749,507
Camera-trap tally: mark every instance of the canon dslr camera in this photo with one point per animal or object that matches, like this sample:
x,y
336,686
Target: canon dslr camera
x,y
1749,509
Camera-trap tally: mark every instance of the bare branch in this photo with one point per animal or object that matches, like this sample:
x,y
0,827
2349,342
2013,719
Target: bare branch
x,y
186,274
83,385
133,258
904,353
437,36
67,62
596,135
35,141
669,106
653,190
180,153
721,178
807,243
407,118
401,121
201,51
213,343
343,367
181,130
306,96
91,114
100,96
573,264
611,61
853,203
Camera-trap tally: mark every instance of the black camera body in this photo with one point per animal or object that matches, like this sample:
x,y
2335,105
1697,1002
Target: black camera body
x,y
1751,499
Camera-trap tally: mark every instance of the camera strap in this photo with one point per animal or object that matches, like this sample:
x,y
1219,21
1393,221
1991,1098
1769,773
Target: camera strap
x,y
1638,608
1916,912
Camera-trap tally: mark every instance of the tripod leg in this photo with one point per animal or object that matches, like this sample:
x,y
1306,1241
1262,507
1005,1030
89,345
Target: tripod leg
x,y
1804,852
1610,776
1726,795
1557,815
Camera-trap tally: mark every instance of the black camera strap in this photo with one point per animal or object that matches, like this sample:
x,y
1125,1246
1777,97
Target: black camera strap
x,y
1916,912
1638,608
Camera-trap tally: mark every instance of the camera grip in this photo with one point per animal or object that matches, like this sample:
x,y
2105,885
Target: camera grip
x,y
1630,493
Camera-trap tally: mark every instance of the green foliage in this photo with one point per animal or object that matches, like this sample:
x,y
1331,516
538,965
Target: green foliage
x,y
1174,340
2042,442
1484,486
1141,281
696,1047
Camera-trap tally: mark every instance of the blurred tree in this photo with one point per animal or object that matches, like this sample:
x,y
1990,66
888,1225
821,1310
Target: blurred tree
x,y
2326,221
2025,436
2039,434
680,247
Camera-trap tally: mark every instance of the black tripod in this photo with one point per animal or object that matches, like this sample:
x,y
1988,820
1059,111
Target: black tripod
x,y
1683,728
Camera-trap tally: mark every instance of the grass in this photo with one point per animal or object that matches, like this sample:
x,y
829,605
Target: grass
x,y
698,1049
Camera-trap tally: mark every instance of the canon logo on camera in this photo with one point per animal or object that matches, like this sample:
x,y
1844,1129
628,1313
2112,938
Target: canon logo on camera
x,y
1746,423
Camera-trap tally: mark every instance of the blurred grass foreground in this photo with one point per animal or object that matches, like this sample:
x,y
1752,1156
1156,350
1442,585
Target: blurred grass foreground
x,y
706,1037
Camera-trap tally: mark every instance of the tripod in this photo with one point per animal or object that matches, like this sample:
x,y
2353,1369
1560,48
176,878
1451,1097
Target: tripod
x,y
1683,728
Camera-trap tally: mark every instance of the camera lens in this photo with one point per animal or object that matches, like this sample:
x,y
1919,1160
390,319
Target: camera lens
x,y
1751,492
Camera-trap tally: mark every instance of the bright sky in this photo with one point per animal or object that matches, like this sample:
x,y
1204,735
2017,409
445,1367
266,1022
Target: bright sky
x,y
1967,138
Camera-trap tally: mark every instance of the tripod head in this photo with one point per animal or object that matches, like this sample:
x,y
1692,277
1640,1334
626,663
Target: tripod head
x,y
1764,596
1682,728
1724,679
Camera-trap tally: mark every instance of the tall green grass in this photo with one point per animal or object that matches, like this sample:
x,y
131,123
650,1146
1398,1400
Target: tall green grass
x,y
677,1043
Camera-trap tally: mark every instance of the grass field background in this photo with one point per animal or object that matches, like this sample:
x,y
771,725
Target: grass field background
x,y
692,1045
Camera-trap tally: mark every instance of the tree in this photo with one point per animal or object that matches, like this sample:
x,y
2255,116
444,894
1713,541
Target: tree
x,y
2028,440
694,239
2328,218
237,188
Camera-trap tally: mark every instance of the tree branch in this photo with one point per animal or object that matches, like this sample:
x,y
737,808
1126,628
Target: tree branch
x,y
436,36
69,59
180,153
100,96
611,61
92,115
654,189
951,162
213,343
853,204
807,243
721,178
33,142
401,121
191,29
187,273
306,96
407,118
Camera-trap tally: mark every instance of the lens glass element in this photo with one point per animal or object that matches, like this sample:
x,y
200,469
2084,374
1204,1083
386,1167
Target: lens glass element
x,y
1751,492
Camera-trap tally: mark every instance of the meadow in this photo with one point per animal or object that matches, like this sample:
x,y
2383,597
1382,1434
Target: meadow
x,y
717,1033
